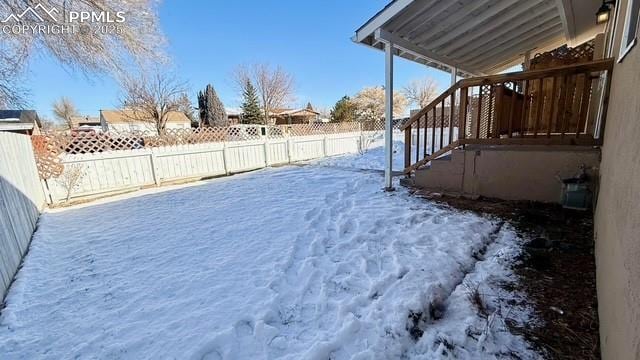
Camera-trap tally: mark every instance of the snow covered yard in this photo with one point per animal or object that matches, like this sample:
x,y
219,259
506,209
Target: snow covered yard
x,y
300,262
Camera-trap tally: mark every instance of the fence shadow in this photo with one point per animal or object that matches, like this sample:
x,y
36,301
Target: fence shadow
x,y
18,219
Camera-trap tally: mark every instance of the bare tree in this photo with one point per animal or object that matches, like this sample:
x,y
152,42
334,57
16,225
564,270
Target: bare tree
x,y
13,56
48,125
187,108
325,112
70,178
152,98
421,92
274,85
369,104
135,40
64,110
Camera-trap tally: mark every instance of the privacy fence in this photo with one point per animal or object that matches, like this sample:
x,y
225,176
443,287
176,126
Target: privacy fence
x,y
92,164
21,200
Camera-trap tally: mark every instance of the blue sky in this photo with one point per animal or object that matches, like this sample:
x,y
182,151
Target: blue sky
x,y
208,39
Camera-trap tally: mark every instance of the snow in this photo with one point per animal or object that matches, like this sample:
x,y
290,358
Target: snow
x,y
373,159
299,262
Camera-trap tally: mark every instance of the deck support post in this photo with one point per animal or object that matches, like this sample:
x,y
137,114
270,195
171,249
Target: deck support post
x,y
388,111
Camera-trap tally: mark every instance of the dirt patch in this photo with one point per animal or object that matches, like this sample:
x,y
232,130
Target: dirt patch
x,y
556,271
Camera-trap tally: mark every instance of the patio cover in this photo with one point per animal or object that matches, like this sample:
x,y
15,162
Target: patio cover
x,y
478,37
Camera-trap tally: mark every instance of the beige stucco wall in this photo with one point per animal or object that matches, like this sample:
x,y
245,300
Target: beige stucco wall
x,y
617,216
509,172
525,173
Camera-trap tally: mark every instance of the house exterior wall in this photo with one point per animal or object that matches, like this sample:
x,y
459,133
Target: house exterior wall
x,y
617,215
509,172
130,126
525,173
144,126
295,119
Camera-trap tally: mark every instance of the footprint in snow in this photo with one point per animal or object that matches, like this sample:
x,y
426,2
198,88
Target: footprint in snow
x,y
212,355
244,328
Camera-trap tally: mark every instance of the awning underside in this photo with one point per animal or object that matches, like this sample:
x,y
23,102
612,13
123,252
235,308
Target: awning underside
x,y
476,36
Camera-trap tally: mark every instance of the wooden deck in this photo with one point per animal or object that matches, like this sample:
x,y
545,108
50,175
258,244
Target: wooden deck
x,y
557,106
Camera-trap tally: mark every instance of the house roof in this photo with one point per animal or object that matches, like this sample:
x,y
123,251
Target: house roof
x,y
86,120
127,116
293,112
18,119
233,111
478,36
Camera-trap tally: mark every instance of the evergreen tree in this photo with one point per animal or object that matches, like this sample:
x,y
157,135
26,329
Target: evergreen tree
x,y
343,111
250,105
185,106
309,107
212,112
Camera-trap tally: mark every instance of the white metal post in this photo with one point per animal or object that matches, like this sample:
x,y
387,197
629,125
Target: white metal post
x,y
388,110
454,75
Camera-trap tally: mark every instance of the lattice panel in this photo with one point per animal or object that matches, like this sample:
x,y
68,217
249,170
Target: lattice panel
x,y
486,113
174,137
471,106
92,142
378,125
321,128
563,55
275,132
47,157
373,125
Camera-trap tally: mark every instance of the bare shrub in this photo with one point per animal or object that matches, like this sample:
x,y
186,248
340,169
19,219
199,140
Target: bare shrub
x,y
476,298
70,178
368,140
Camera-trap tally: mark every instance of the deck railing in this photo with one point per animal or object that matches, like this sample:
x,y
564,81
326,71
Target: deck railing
x,y
558,106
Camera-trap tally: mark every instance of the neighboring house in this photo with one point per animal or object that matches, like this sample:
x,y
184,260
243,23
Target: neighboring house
x,y
20,121
294,116
86,123
575,106
234,115
125,121
280,116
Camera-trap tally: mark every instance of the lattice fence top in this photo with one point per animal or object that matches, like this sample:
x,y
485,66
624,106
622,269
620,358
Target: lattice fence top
x,y
320,128
378,125
47,159
92,142
563,55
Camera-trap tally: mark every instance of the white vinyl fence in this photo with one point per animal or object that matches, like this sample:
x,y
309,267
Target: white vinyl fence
x,y
433,140
122,170
21,200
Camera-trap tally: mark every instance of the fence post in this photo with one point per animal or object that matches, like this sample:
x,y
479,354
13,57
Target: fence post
x,y
154,169
47,192
290,149
225,157
266,152
362,139
324,145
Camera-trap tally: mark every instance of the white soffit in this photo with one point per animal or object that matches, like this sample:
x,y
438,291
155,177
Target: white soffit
x,y
478,36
